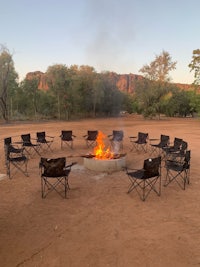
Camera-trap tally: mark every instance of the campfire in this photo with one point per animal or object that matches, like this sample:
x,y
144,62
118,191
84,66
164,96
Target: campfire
x,y
103,158
100,151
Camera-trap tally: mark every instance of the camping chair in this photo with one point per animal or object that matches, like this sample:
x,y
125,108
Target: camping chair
x,y
158,148
44,141
67,138
29,147
14,158
178,154
178,171
147,179
91,138
173,148
141,143
54,176
116,140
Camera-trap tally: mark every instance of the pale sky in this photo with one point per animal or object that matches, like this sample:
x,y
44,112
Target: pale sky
x,y
109,35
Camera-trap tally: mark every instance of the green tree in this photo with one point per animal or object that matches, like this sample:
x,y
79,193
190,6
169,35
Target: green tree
x,y
158,69
179,104
150,96
195,66
58,82
8,77
30,87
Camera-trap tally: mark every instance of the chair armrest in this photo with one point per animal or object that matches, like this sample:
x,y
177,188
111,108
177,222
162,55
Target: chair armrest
x,y
151,140
132,137
33,139
52,137
70,165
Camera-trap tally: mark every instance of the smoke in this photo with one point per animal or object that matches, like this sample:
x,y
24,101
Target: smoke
x,y
111,32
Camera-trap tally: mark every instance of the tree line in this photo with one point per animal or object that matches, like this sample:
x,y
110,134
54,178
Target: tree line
x,y
80,92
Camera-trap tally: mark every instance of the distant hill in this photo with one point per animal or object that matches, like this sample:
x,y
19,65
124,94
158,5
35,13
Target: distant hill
x,y
125,82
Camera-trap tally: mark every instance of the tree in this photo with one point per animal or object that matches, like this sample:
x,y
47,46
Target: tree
x,y
30,87
58,82
179,104
158,70
8,77
150,96
195,66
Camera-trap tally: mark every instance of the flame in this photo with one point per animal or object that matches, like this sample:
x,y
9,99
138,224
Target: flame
x,y
100,151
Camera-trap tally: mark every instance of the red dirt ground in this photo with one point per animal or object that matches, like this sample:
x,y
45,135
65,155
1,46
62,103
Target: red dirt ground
x,y
99,224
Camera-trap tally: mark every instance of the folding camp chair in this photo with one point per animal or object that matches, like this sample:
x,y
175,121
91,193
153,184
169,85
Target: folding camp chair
x,y
44,141
157,149
54,176
173,148
141,143
178,171
67,138
30,148
15,160
91,138
147,179
180,153
116,140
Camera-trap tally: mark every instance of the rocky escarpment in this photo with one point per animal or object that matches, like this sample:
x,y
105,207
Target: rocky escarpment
x,y
125,82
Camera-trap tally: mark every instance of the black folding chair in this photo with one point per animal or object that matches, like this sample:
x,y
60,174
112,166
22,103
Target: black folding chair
x,y
147,179
178,154
29,147
178,171
173,148
157,149
116,140
141,143
15,160
44,141
55,176
91,138
67,138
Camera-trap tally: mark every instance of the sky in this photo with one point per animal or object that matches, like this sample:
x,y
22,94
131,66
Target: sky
x,y
110,35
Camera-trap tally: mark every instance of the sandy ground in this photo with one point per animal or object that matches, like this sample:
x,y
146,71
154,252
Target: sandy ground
x,y
99,224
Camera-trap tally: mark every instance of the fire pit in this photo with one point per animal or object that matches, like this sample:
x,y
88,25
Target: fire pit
x,y
105,165
104,160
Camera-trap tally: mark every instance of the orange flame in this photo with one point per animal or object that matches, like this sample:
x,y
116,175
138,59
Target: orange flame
x,y
99,151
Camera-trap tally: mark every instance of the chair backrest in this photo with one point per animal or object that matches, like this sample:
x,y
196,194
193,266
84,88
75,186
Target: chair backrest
x,y
26,138
66,135
118,135
152,167
41,136
7,141
92,135
53,167
9,148
187,159
164,140
142,137
184,146
177,142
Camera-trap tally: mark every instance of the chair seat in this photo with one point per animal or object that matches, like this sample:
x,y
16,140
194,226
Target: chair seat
x,y
143,174
17,159
54,173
